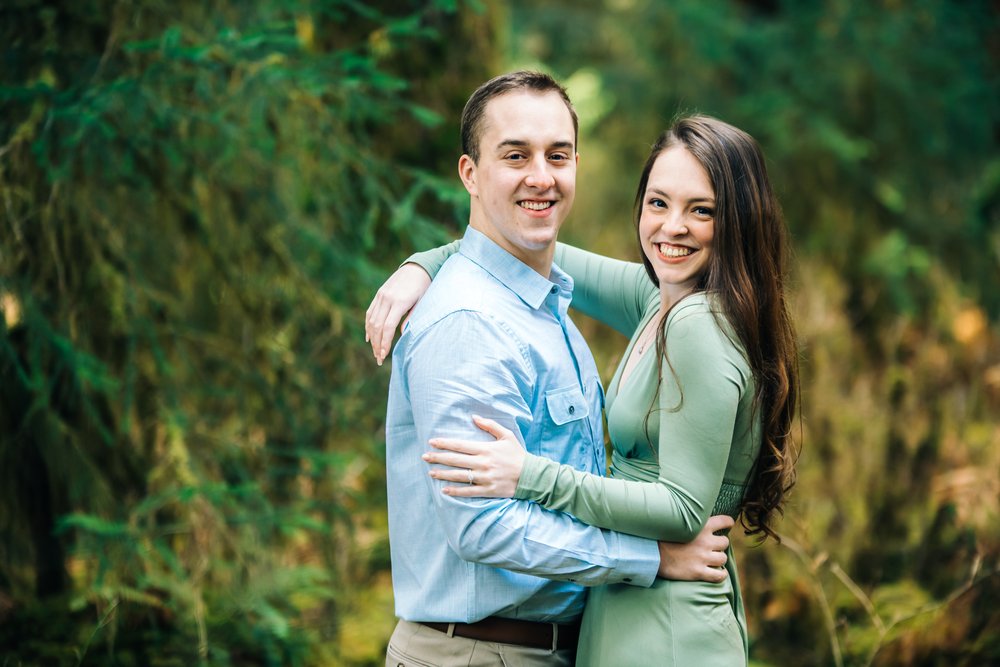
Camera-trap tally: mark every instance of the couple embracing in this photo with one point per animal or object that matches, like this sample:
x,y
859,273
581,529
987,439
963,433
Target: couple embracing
x,y
509,544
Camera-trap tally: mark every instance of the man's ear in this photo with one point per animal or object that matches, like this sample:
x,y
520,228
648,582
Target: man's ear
x,y
467,172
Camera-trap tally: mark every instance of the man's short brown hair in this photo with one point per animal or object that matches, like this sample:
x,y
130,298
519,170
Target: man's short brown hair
x,y
475,109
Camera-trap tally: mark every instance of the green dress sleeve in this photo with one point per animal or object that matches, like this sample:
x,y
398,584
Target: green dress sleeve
x,y
699,399
610,290
432,260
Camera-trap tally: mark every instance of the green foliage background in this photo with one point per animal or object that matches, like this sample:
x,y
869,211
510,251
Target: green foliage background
x,y
197,201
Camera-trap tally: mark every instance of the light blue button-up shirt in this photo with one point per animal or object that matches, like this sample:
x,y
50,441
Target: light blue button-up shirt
x,y
492,337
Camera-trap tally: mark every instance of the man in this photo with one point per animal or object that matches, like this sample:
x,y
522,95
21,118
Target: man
x,y
485,581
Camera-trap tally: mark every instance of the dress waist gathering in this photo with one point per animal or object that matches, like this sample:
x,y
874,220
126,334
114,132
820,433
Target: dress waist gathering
x,y
647,470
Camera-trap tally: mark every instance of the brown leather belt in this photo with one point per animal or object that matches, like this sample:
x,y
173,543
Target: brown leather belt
x,y
513,631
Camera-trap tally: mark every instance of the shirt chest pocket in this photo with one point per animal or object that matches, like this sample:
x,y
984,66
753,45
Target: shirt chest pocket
x,y
566,405
569,436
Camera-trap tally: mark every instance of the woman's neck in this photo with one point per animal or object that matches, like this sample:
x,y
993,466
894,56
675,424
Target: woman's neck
x,y
669,297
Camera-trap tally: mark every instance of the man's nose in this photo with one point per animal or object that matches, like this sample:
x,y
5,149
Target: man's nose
x,y
540,175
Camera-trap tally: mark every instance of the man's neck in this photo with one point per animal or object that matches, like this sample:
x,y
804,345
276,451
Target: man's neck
x,y
539,261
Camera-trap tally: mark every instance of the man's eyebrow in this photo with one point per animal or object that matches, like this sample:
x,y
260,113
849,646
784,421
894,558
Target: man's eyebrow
x,y
521,143
517,143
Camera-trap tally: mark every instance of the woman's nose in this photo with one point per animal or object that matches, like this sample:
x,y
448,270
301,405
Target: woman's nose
x,y
676,225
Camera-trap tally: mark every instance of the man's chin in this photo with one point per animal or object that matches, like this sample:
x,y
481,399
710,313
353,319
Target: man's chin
x,y
541,237
537,244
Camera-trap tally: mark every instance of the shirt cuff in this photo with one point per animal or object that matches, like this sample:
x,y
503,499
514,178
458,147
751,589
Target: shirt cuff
x,y
638,563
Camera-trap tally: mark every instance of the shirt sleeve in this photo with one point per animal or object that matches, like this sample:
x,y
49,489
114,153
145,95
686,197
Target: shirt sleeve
x,y
487,375
610,290
697,410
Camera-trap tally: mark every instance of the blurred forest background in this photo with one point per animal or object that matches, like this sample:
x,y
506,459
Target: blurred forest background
x,y
198,200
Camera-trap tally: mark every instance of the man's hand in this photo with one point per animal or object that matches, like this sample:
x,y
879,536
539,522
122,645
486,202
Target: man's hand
x,y
701,559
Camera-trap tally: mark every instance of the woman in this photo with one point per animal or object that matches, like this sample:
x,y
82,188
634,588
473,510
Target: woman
x,y
700,409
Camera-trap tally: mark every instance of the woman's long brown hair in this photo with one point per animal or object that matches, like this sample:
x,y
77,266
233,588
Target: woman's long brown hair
x,y
746,276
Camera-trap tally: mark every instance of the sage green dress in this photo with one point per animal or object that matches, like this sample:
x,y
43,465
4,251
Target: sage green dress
x,y
672,468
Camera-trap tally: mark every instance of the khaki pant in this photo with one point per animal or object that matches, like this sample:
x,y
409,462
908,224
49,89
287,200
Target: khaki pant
x,y
415,645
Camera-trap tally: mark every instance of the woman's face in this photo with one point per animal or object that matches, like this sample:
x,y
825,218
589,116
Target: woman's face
x,y
677,222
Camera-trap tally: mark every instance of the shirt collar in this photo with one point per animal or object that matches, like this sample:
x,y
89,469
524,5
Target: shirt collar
x,y
529,285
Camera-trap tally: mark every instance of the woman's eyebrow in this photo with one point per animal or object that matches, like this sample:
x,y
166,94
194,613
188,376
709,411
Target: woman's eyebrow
x,y
707,200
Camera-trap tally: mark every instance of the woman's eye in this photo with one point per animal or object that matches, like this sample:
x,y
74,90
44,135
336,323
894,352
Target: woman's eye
x,y
656,202
704,211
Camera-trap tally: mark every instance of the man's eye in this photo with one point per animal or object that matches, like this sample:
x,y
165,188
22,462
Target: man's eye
x,y
558,157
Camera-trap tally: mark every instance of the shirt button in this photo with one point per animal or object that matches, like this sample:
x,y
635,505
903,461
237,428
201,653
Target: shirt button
x,y
553,290
627,580
572,409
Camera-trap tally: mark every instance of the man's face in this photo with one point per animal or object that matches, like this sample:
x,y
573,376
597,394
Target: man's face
x,y
524,184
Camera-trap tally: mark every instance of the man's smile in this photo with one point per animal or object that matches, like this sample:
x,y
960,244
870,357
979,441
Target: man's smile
x,y
535,205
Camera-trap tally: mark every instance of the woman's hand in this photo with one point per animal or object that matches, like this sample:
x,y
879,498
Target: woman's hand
x,y
701,559
394,299
484,469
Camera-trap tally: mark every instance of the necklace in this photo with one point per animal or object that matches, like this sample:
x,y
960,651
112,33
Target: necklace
x,y
640,346
648,335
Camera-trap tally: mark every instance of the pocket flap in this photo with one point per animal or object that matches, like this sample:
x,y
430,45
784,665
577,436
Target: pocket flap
x,y
566,405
